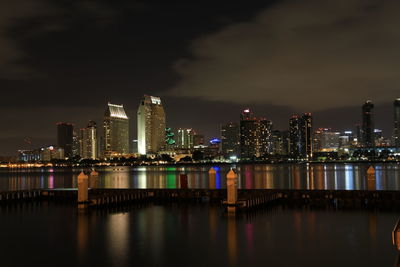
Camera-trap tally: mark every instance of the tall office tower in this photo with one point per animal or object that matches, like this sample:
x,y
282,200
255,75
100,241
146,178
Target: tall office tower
x,y
65,134
294,136
150,125
396,132
265,137
248,135
75,144
88,147
185,138
306,135
116,131
300,134
368,139
230,139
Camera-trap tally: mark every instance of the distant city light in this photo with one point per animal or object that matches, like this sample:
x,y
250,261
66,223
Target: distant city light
x,y
215,141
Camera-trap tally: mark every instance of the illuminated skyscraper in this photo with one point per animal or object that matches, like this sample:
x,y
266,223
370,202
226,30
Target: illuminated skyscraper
x,y
150,125
368,138
88,142
255,136
185,138
294,136
65,134
396,132
248,135
116,131
306,135
300,134
230,138
265,137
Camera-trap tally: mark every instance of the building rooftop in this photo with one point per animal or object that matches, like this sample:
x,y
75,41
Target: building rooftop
x,y
116,111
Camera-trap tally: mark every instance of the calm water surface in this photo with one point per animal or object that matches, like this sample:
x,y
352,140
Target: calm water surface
x,y
282,176
50,234
194,235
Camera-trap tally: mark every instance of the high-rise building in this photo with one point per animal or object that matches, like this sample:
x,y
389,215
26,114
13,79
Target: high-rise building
x,y
368,139
300,135
185,138
76,144
255,136
116,131
396,132
280,142
88,141
265,137
326,140
230,138
306,135
294,136
248,135
151,125
65,134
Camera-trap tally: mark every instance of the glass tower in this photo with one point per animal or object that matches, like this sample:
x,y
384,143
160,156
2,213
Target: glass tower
x,y
150,125
116,131
88,147
368,138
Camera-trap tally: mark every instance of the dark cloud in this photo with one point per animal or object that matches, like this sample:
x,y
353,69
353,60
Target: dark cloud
x,y
64,60
310,55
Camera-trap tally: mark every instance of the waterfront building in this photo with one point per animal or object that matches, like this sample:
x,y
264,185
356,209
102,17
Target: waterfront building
x,y
65,133
76,149
326,140
116,131
230,139
294,136
396,132
368,139
29,155
306,135
255,136
265,137
185,138
88,141
347,140
300,135
280,142
248,135
51,152
150,125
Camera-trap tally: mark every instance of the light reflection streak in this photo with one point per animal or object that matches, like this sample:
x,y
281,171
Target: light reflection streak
x,y
349,177
232,240
118,235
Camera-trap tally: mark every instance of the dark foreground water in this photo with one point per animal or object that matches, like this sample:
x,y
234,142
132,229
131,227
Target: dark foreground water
x,y
194,235
279,176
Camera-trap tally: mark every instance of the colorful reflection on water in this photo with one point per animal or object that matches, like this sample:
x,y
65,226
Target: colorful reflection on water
x,y
258,176
195,235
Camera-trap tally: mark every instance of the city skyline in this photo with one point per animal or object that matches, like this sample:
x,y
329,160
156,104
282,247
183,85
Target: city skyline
x,y
133,137
253,138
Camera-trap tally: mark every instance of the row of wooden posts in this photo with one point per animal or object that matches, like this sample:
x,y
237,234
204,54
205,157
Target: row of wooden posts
x,y
232,185
231,202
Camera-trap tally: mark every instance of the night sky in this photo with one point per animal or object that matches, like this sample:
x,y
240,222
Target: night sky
x,y
64,60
